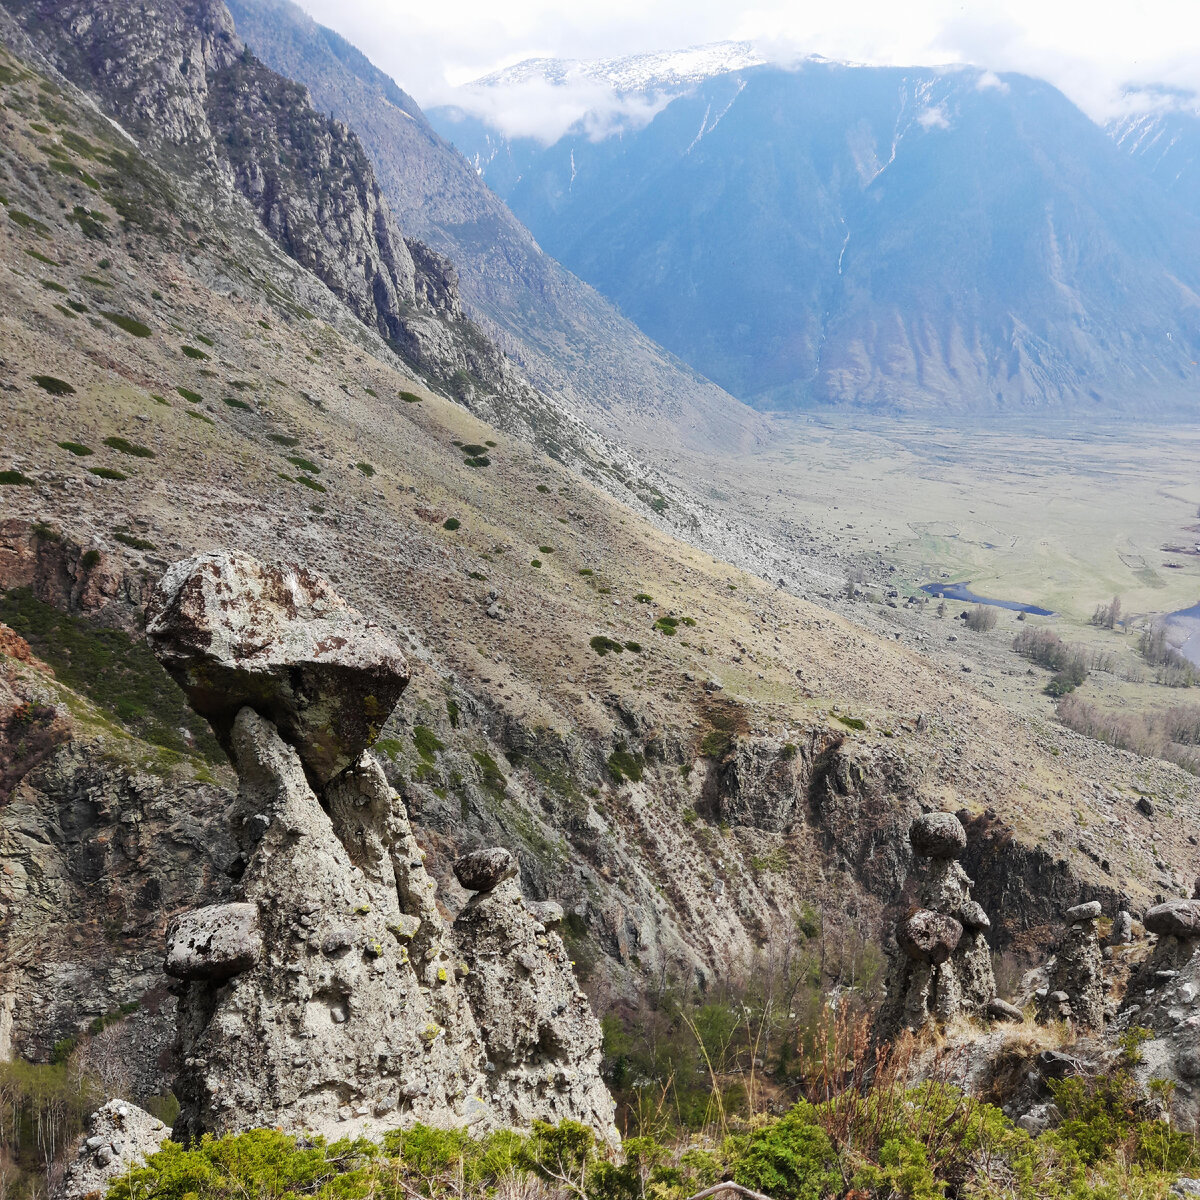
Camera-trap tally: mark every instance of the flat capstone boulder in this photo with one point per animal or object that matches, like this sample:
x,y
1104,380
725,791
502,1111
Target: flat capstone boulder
x,y
1176,918
236,633
214,943
482,870
938,835
1083,912
928,936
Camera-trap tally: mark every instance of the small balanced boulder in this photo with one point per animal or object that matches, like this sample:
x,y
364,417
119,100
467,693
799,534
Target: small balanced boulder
x,y
1176,918
928,936
1082,912
235,633
482,870
938,835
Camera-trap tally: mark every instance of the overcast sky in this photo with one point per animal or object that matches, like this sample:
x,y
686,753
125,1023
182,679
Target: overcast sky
x,y
1089,49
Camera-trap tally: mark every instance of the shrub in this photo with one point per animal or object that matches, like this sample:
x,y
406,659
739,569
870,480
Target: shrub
x,y
452,523
56,387
190,396
107,473
426,742
200,337
127,447
852,722
135,543
365,468
603,644
981,618
311,484
791,1159
305,464
622,765
492,777
14,479
410,397
545,549
129,324
472,450
480,460
541,487
586,571
284,439
634,647
644,598
193,352
536,563
51,286
666,625
77,448
234,402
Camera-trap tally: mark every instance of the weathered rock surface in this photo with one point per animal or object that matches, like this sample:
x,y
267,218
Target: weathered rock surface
x,y
482,870
1001,1010
943,967
214,943
929,936
1175,918
938,835
543,1041
1076,981
235,633
120,1135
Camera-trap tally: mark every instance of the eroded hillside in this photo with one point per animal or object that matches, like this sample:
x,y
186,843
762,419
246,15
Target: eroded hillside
x,y
685,756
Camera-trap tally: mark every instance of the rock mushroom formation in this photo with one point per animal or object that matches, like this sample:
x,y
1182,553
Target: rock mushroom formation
x,y
943,967
1076,989
235,634
328,994
542,1039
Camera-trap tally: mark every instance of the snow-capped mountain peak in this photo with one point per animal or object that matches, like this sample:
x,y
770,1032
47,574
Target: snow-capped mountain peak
x,y
666,71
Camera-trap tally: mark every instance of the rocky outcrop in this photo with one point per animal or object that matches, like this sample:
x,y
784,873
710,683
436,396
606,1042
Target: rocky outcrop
x,y
120,1136
329,993
182,81
942,968
234,633
1076,988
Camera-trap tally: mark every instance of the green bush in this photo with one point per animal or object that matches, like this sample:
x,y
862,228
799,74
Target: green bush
x,y
452,523
51,286
193,352
545,549
602,644
76,448
129,324
284,439
790,1159
410,397
427,743
190,396
305,464
480,460
107,473
536,563
311,484
56,387
200,337
14,479
622,764
365,468
234,402
128,447
472,450
492,777
133,542
541,487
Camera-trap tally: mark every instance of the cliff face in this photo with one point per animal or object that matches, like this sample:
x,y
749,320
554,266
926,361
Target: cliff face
x,y
177,76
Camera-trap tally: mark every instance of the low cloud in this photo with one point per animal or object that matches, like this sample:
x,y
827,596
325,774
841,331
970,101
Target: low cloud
x,y
934,118
545,110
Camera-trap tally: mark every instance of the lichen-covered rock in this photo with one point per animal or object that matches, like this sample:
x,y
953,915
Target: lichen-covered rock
x,y
938,835
120,1136
1175,918
278,639
341,1026
216,942
1077,974
542,1039
482,870
928,936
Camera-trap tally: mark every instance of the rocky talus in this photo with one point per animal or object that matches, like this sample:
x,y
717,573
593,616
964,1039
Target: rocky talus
x,y
329,993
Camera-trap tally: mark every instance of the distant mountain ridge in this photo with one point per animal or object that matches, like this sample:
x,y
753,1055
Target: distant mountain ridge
x,y
564,335
894,239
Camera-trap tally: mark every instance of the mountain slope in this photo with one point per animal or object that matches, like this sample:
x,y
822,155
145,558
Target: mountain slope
x,y
679,753
1165,142
569,339
898,239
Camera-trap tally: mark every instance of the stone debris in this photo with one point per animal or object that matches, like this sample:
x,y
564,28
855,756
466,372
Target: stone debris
x,y
120,1136
235,633
1175,918
330,994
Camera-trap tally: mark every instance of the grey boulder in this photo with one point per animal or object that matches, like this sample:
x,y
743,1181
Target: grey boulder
x,y
1176,918
235,633
214,943
1083,912
1001,1010
928,936
938,835
482,870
